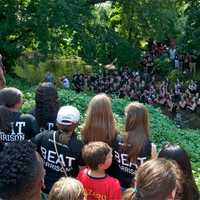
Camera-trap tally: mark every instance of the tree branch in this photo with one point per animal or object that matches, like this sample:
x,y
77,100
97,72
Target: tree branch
x,y
97,1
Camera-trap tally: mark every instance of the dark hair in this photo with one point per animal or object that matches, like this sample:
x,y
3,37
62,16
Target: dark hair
x,y
19,169
10,96
6,117
94,153
47,105
175,152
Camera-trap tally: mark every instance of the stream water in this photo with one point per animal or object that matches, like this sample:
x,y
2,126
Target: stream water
x,y
185,118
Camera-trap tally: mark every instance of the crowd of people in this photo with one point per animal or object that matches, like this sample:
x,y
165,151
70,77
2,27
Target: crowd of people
x,y
137,87
41,151
184,62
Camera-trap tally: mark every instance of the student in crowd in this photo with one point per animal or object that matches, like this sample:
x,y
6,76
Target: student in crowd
x,y
67,188
46,106
49,77
22,172
60,150
134,147
13,124
99,123
175,152
157,179
65,82
98,185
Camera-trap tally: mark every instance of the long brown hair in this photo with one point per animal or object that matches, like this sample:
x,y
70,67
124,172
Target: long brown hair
x,y
99,122
155,179
136,128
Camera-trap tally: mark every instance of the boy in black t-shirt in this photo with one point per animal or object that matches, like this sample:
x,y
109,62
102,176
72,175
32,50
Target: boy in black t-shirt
x,y
60,150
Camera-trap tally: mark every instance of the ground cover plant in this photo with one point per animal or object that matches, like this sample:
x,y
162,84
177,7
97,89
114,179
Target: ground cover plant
x,y
163,130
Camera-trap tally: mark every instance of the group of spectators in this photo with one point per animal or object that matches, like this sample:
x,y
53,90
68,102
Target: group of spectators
x,y
137,87
107,165
184,62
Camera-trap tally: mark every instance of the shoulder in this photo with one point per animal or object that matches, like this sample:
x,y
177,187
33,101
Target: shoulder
x,y
82,173
27,117
113,181
43,136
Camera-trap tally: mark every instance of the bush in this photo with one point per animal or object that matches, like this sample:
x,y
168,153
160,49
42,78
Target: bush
x,y
34,73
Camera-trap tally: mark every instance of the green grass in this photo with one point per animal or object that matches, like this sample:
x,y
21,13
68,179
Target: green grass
x,y
163,130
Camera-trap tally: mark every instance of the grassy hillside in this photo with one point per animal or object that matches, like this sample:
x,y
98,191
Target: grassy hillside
x,y
163,130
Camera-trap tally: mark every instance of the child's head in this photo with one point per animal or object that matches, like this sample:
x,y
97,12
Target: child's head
x,y
97,155
67,189
99,124
68,118
11,97
155,179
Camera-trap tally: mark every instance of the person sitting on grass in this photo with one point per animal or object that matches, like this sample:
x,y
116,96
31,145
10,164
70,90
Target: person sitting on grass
x,y
98,185
67,188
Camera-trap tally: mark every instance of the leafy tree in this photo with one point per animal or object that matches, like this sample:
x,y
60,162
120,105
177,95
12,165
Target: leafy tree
x,y
193,24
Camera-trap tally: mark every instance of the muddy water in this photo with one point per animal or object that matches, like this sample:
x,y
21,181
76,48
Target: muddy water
x,y
185,118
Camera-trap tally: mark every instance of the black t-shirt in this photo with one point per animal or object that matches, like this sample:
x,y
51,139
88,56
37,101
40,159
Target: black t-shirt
x,y
23,126
50,123
122,168
69,153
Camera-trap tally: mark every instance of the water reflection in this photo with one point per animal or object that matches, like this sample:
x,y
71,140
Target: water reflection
x,y
184,118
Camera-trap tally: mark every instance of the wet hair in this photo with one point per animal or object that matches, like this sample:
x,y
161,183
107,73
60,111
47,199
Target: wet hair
x,y
46,100
19,170
94,153
155,179
67,189
178,154
10,96
136,128
99,122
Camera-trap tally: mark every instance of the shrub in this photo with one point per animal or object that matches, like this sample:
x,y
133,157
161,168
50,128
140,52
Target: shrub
x,y
34,73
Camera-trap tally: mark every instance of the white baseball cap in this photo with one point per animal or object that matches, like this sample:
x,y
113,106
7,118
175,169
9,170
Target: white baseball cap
x,y
67,115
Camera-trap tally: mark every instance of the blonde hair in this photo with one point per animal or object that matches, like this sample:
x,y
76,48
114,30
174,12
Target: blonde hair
x,y
67,189
136,128
155,179
99,122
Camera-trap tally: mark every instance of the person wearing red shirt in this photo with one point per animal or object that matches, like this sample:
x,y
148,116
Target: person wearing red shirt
x,y
98,185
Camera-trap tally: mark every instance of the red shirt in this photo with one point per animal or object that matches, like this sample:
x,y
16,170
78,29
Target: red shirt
x,y
105,188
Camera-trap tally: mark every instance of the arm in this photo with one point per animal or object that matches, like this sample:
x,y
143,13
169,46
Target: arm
x,y
153,151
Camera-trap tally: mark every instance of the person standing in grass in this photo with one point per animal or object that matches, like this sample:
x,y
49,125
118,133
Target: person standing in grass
x,y
14,125
46,106
134,147
99,122
61,149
